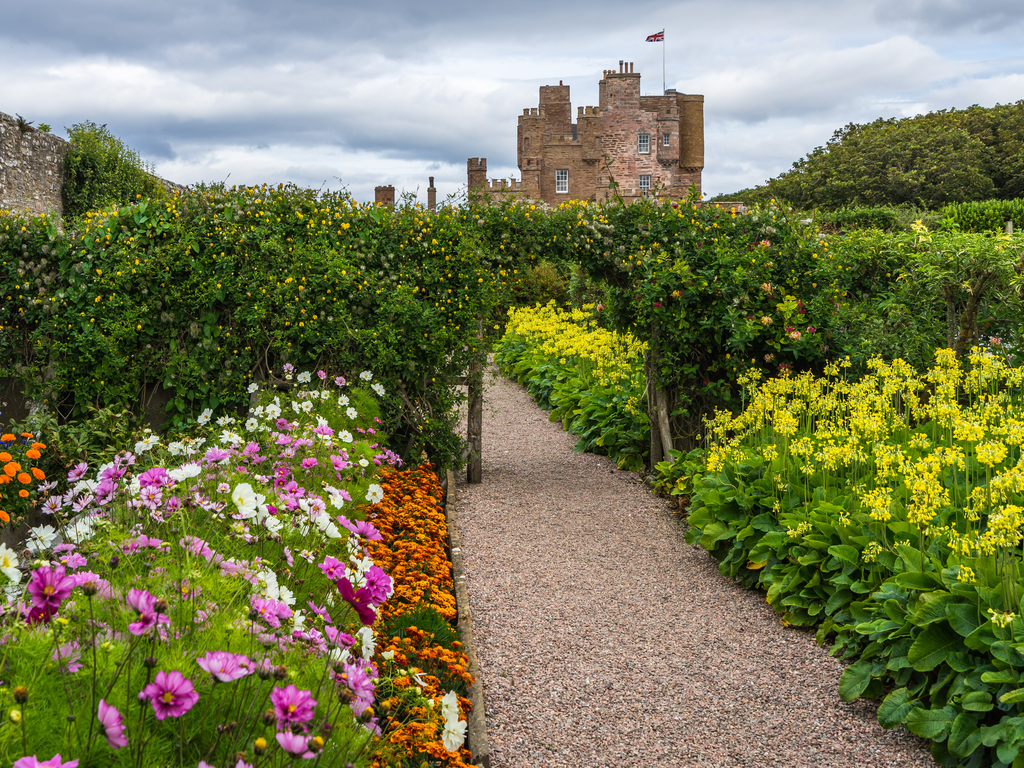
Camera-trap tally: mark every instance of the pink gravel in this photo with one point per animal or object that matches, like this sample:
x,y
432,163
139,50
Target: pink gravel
x,y
605,640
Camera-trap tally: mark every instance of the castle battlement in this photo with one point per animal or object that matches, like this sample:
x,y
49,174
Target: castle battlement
x,y
641,145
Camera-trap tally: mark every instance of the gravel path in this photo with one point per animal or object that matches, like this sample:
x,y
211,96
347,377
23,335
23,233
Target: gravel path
x,y
605,640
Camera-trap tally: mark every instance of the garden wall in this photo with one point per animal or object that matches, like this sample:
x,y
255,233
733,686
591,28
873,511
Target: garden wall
x,y
31,168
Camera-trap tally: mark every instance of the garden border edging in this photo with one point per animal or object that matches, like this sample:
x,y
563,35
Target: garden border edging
x,y
477,731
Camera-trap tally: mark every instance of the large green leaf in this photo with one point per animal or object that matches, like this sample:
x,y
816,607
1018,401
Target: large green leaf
x,y
963,617
931,723
923,582
845,552
894,708
931,607
932,646
964,735
1013,696
854,680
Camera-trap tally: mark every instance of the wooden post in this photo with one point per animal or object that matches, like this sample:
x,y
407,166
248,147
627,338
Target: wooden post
x,y
475,427
657,402
1009,227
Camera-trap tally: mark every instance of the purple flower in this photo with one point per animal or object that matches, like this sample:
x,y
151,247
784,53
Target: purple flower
x,y
225,666
321,375
295,744
69,655
361,528
359,599
77,474
338,637
379,584
358,678
292,705
49,587
113,725
217,456
53,762
171,694
157,476
320,611
334,569
339,380
144,604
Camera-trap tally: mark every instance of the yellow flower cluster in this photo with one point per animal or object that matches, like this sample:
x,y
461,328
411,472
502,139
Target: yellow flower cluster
x,y
600,356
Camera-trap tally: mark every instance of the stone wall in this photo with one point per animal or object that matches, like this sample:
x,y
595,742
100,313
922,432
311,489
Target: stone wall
x,y
31,168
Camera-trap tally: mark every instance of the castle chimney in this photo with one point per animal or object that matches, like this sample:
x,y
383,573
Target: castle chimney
x,y
620,66
431,196
631,67
384,195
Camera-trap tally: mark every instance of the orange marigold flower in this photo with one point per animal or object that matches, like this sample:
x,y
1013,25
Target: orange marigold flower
x,y
5,456
4,516
23,493
24,478
12,468
8,438
32,453
27,434
38,474
39,446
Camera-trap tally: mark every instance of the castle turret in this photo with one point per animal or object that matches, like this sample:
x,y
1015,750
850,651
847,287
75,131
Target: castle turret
x,y
476,171
384,195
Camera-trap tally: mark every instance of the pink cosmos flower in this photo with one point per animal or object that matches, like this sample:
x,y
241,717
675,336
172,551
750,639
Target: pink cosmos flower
x,y
320,611
333,568
361,528
171,694
77,474
292,705
359,599
49,587
69,655
338,637
225,666
53,762
113,725
379,584
144,604
358,678
294,744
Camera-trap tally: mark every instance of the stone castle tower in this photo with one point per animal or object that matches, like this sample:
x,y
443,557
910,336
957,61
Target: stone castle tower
x,y
646,145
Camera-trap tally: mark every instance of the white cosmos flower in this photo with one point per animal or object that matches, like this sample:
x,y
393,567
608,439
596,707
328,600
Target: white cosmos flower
x,y
185,472
9,564
273,410
454,734
307,406
304,377
254,387
225,421
345,436
251,425
229,437
343,401
296,407
257,411
365,636
41,538
247,500
176,448
364,463
374,494
352,413
272,524
376,387
450,705
365,375
79,531
148,444
205,416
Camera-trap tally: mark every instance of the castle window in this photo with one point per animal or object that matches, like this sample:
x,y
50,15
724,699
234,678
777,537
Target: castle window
x,y
645,183
666,139
562,180
643,144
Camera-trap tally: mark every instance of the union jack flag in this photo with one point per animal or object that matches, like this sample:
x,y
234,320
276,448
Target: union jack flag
x,y
657,37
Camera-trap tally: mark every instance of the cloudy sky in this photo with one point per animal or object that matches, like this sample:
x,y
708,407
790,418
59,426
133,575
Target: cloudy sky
x,y
345,94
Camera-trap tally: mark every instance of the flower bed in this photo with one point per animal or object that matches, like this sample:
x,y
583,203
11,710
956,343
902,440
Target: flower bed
x,y
888,511
420,721
591,379
197,604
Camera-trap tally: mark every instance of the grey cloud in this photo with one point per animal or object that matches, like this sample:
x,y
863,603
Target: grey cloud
x,y
950,17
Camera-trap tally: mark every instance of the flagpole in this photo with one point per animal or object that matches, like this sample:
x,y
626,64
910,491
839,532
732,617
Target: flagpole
x,y
664,81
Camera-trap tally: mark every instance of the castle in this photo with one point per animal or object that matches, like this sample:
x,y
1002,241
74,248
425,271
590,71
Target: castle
x,y
629,145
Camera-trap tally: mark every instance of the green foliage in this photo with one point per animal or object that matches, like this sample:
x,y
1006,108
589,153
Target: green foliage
x,y
541,283
886,512
99,171
986,216
950,156
884,217
591,380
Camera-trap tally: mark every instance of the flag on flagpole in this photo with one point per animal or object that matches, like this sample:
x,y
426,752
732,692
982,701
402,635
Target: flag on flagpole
x,y
657,37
